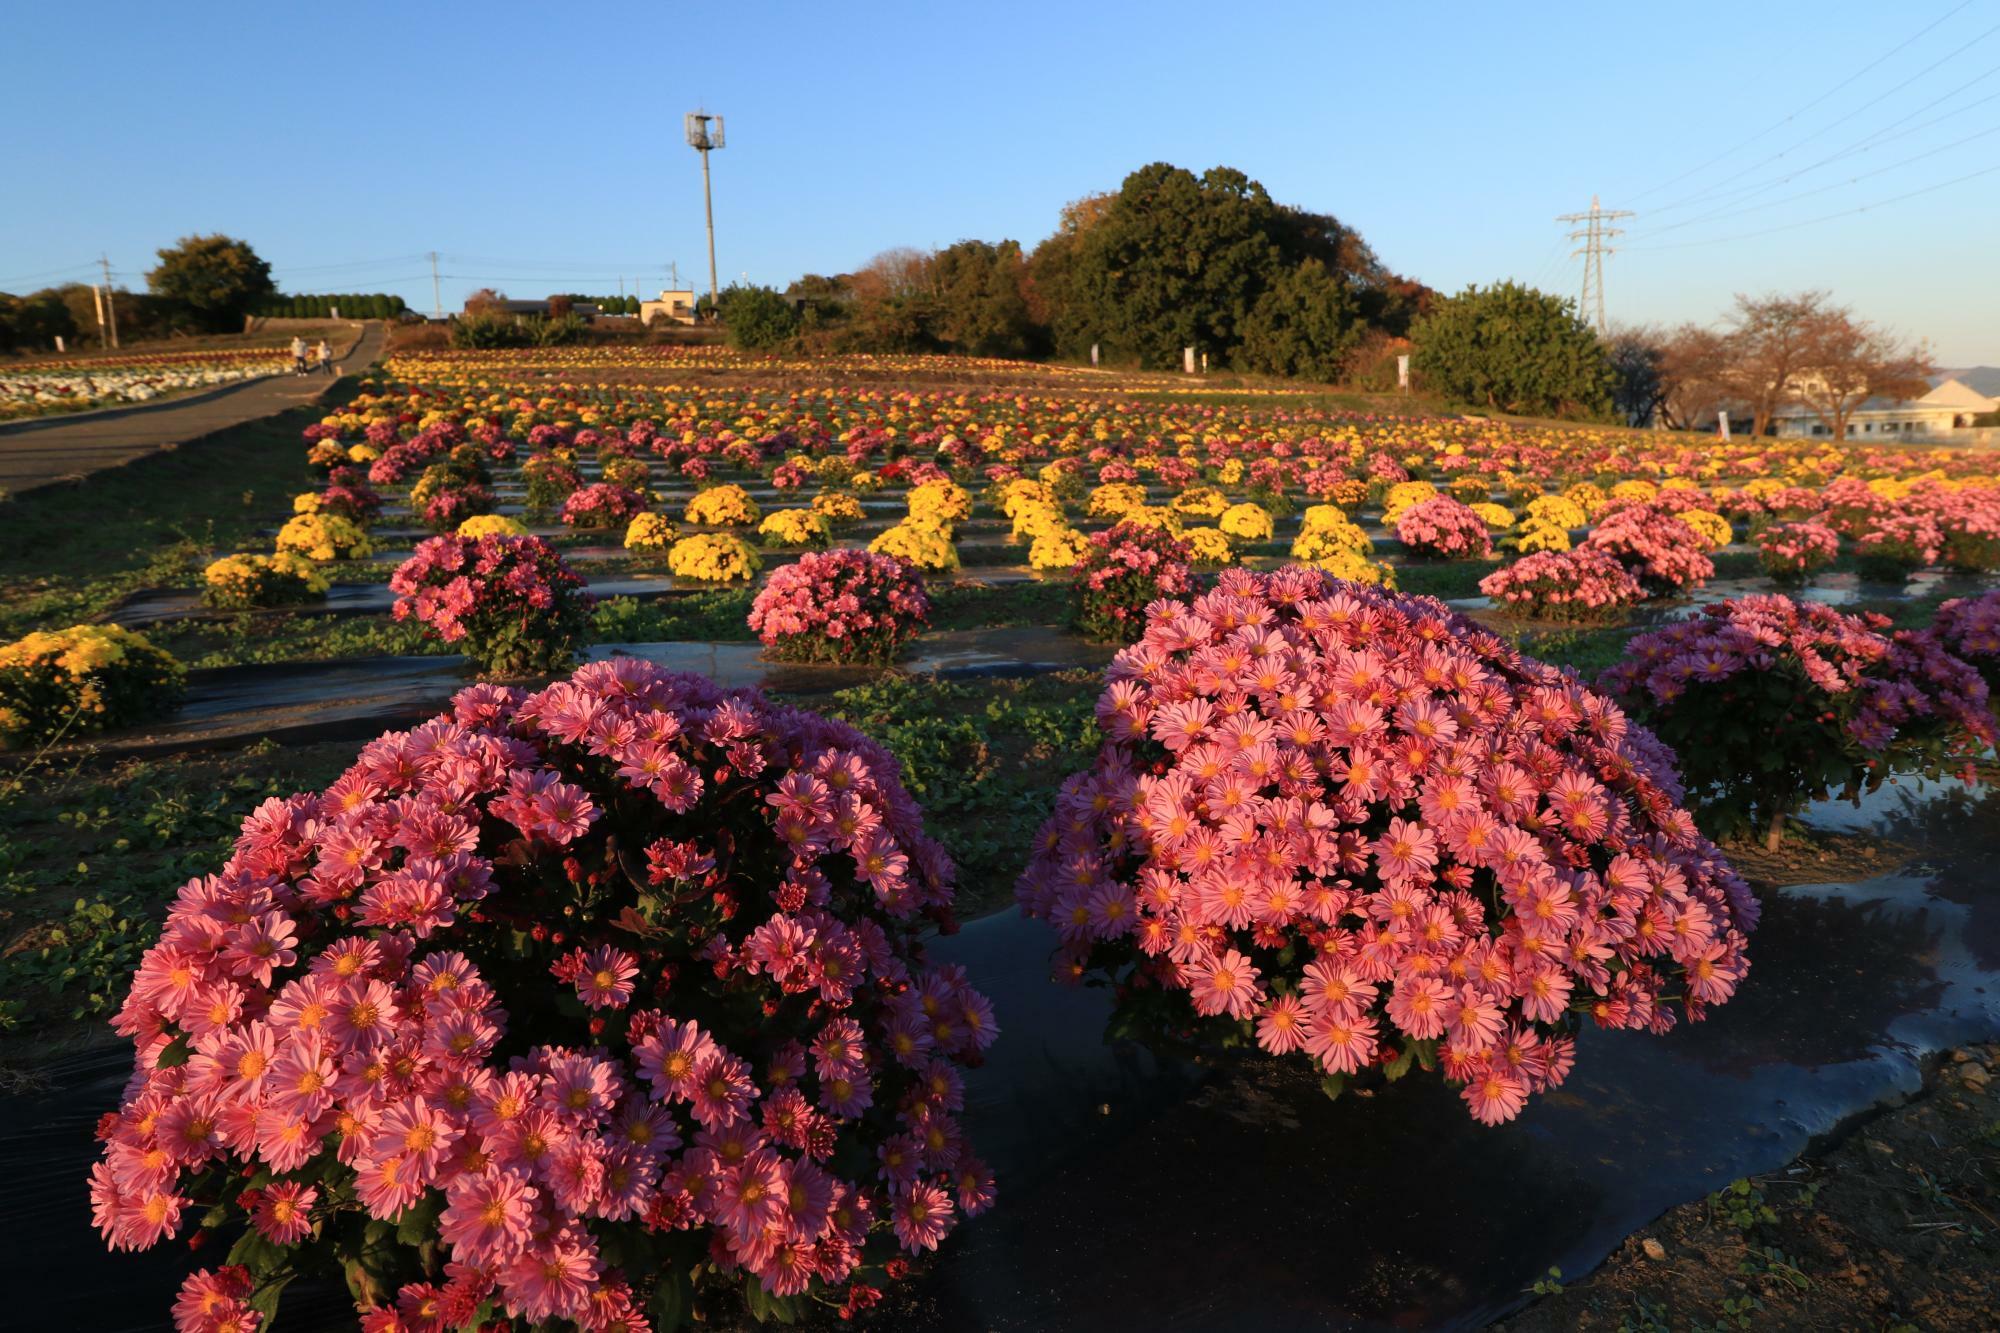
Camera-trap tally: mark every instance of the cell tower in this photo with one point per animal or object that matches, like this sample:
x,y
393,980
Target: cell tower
x,y
705,138
1594,233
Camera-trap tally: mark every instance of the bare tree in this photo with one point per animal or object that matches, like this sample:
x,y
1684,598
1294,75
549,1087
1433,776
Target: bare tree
x,y
1769,337
1847,361
1696,371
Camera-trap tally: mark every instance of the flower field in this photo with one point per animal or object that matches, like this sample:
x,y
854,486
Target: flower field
x,y
690,836
49,387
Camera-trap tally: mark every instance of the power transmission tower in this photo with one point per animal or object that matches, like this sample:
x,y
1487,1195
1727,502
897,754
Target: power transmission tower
x,y
705,140
437,301
1594,233
110,304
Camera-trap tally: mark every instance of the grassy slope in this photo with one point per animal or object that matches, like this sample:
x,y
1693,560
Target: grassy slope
x,y
70,552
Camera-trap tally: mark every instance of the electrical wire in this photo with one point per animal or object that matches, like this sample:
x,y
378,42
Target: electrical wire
x,y
1825,217
1780,124
1705,194
1734,212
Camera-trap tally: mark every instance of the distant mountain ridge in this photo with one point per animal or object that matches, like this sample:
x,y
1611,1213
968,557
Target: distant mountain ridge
x,y
1980,379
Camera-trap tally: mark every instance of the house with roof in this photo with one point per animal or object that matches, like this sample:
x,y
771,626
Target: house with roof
x,y
1950,406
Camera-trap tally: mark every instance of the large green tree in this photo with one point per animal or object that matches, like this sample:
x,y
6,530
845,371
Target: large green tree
x,y
1303,326
757,318
1177,260
214,280
982,307
1513,348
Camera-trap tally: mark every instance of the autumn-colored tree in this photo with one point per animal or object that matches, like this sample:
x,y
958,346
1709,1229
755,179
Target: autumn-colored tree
x,y
1848,360
1696,371
1768,341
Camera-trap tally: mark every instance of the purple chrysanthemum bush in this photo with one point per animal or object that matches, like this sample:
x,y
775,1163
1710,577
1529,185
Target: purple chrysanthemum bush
x,y
566,1006
1356,827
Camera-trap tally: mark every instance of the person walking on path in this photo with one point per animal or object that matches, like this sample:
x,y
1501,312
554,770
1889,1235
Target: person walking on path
x,y
298,355
326,356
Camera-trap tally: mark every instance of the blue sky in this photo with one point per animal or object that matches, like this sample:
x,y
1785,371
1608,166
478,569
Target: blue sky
x,y
538,147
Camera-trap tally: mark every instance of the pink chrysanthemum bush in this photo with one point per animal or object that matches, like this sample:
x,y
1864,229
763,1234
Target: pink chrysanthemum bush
x,y
511,604
1771,703
1122,571
1357,827
1791,553
602,505
840,606
567,1008
1576,586
1660,549
1445,529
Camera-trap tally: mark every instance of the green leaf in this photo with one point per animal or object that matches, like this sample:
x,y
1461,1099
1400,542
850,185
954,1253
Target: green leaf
x,y
418,1222
1400,1066
1333,1085
265,1299
766,1308
672,1300
174,1053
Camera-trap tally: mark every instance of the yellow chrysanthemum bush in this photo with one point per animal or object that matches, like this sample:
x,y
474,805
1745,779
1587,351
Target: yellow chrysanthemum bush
x,y
492,525
1471,488
714,557
1208,548
240,582
1356,568
1634,489
940,501
1157,517
1537,535
1246,523
1324,532
66,683
1115,499
1201,502
324,537
728,506
1405,495
795,527
1057,549
649,532
1710,526
922,545
1587,496
1556,511
838,508
1498,518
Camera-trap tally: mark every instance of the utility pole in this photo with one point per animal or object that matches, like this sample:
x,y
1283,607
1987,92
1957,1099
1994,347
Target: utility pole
x,y
705,141
110,303
437,301
1594,233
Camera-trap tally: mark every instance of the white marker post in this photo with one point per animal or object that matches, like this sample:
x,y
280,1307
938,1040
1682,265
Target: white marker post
x,y
1722,423
1403,372
1187,360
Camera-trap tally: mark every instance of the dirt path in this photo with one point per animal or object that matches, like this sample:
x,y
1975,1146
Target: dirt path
x,y
1895,1227
42,451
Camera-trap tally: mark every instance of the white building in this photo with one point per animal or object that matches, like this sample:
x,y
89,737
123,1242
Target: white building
x,y
1952,405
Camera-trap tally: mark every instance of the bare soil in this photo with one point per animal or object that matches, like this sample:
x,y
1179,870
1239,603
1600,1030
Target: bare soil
x,y
1815,856
1895,1225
